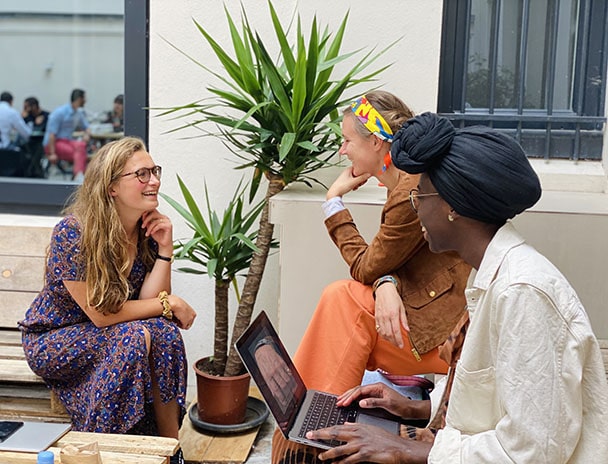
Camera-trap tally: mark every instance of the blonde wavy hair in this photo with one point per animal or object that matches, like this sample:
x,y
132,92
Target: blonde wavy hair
x,y
104,242
394,111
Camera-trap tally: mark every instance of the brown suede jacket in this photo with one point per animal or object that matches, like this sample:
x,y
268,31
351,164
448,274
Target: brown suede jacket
x,y
431,285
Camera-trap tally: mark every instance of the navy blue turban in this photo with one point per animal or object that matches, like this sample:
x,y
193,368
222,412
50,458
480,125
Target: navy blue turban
x,y
482,173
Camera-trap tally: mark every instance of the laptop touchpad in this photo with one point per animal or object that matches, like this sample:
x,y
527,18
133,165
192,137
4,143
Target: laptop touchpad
x,y
388,425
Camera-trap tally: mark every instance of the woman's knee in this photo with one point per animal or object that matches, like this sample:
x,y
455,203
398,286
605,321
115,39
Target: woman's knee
x,y
336,289
347,294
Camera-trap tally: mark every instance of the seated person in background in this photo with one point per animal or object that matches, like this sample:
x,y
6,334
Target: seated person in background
x,y
14,132
104,331
59,142
404,300
115,117
529,385
36,118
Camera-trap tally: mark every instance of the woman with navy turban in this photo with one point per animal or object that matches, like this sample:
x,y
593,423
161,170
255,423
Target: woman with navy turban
x,y
527,384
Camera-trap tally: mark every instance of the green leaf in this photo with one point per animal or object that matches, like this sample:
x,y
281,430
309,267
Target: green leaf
x,y
286,143
286,51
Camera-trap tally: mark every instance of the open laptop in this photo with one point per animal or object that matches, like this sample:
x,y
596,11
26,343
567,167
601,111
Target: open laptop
x,y
33,437
289,401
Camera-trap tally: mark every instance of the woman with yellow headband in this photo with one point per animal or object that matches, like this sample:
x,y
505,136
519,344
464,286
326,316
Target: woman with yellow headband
x,y
402,301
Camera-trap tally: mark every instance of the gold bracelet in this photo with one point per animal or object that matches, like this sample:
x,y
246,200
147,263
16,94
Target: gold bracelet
x,y
164,300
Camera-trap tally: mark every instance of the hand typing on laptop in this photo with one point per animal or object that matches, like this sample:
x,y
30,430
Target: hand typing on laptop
x,y
368,443
380,395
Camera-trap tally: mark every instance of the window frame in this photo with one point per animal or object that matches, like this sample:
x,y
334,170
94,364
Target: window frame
x,y
43,196
557,133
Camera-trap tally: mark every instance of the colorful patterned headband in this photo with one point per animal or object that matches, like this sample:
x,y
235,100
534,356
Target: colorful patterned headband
x,y
371,119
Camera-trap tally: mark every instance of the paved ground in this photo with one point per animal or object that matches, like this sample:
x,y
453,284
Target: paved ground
x,y
260,453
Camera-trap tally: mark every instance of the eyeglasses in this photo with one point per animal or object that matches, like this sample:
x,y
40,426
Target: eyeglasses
x,y
143,174
415,198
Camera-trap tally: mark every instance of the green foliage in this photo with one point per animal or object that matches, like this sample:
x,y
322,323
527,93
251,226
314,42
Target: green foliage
x,y
478,85
281,115
221,245
278,116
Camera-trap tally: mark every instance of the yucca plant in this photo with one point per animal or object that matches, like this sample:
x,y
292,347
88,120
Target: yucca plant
x,y
280,117
221,246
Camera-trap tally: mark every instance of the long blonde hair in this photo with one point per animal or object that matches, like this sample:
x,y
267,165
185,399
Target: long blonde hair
x,y
104,243
394,111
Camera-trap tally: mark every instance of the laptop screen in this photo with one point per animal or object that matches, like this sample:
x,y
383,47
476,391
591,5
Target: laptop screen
x,y
272,369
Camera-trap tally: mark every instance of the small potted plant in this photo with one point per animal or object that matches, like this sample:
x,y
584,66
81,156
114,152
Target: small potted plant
x,y
221,246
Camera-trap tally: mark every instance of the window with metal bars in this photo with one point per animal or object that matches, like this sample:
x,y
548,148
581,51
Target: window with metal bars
x,y
535,69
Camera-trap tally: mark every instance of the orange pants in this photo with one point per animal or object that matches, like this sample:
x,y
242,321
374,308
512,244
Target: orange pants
x,y
339,344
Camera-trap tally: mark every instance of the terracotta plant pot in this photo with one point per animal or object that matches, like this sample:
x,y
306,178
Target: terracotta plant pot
x,y
220,400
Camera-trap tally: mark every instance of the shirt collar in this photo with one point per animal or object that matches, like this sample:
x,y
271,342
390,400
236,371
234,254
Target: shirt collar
x,y
505,239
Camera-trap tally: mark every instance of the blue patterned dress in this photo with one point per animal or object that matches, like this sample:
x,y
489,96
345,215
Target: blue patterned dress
x,y
101,374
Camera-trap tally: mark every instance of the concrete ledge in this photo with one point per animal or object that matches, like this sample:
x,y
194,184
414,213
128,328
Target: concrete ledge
x,y
571,176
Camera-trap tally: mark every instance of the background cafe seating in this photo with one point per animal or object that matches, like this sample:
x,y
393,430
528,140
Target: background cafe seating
x,y
13,163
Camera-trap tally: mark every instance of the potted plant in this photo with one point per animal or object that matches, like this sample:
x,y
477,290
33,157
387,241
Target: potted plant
x,y
221,246
279,117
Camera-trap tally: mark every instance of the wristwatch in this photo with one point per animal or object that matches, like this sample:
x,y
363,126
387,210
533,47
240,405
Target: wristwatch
x,y
262,342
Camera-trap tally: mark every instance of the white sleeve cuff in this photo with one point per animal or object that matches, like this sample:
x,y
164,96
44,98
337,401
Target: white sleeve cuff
x,y
332,206
437,393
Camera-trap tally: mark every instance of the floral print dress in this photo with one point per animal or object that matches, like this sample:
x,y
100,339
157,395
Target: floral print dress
x,y
101,374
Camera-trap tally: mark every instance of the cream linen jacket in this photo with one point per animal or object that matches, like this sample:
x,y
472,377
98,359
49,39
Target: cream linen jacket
x,y
530,386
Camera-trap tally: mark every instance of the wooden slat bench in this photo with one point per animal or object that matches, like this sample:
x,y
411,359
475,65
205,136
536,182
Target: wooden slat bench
x,y
22,256
114,449
23,395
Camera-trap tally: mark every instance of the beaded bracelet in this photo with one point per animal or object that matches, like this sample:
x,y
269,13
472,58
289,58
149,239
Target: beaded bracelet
x,y
382,280
164,300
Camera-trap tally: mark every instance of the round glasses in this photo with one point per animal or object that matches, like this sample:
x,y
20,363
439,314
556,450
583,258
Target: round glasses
x,y
143,174
415,198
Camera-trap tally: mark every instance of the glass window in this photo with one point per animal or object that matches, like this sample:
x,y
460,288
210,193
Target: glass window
x,y
55,47
535,69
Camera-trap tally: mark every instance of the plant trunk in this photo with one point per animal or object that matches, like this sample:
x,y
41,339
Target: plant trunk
x,y
234,366
220,343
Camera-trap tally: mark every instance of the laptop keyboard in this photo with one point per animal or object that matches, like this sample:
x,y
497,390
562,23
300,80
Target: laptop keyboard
x,y
323,412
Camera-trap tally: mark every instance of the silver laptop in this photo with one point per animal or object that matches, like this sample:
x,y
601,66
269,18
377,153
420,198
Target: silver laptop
x,y
33,437
293,406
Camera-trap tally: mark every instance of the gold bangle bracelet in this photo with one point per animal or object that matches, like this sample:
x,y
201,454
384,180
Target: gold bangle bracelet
x,y
164,300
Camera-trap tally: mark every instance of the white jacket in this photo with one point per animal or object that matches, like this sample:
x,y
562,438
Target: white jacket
x,y
530,386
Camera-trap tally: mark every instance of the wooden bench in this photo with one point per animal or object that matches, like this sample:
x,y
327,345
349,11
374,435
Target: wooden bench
x,y
22,257
23,395
114,449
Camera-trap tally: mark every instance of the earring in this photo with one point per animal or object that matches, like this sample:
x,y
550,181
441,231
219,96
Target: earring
x,y
386,163
450,217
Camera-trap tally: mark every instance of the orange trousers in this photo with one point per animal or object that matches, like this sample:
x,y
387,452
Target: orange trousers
x,y
339,344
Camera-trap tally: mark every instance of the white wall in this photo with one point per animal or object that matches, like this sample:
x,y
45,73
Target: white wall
x,y
570,228
175,80
46,51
